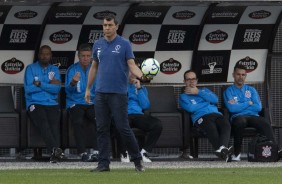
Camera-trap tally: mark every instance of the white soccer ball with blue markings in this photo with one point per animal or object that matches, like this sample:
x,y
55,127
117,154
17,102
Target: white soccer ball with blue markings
x,y
150,67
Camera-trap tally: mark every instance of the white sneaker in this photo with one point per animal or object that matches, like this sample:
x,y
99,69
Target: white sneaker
x,y
145,158
124,159
144,155
234,158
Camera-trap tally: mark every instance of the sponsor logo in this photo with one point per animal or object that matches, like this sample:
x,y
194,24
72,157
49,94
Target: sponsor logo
x,y
215,64
68,15
249,63
94,35
18,36
140,37
261,14
170,66
60,37
176,36
147,14
12,66
266,151
217,36
182,15
252,35
225,14
27,14
101,15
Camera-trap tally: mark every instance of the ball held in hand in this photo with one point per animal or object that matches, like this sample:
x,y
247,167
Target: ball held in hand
x,y
150,67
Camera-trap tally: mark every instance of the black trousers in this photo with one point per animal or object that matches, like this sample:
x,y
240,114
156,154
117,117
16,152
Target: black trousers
x,y
79,114
217,129
257,122
47,121
149,124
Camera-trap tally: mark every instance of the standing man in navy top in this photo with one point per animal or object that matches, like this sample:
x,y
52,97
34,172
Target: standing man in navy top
x,y
78,109
42,84
113,59
243,102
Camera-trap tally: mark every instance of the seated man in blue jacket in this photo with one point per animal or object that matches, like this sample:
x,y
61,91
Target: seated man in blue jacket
x,y
201,103
138,101
42,84
243,102
78,109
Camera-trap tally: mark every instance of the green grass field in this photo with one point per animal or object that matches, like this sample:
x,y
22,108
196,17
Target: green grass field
x,y
155,176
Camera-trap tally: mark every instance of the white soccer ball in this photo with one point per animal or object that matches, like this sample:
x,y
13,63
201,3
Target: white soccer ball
x,y
150,67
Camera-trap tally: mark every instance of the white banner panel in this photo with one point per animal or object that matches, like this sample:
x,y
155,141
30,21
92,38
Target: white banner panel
x,y
173,65
61,37
185,15
260,15
217,37
26,14
13,65
142,37
254,60
96,14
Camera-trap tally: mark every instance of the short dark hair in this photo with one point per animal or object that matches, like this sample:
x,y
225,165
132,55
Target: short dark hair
x,y
84,47
45,47
111,17
188,71
240,66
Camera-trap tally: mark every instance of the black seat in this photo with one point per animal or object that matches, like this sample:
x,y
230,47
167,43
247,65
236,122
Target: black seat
x,y
164,107
9,120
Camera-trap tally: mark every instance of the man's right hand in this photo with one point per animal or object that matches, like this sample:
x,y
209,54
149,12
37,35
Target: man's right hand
x,y
75,78
37,83
87,96
145,78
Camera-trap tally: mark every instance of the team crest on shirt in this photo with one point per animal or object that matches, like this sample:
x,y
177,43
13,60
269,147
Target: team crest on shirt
x,y
51,75
117,49
248,94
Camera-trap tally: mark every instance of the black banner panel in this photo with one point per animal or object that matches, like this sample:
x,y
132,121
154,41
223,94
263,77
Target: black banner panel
x,y
212,65
235,34
225,15
252,36
166,33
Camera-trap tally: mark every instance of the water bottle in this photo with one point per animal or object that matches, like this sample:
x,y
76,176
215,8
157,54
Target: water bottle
x,y
78,87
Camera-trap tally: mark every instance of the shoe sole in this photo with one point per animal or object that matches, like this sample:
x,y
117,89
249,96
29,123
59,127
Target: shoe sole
x,y
102,170
140,170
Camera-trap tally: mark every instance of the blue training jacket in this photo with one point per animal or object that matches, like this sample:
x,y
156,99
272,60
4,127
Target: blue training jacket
x,y
241,97
199,105
75,94
46,93
137,99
